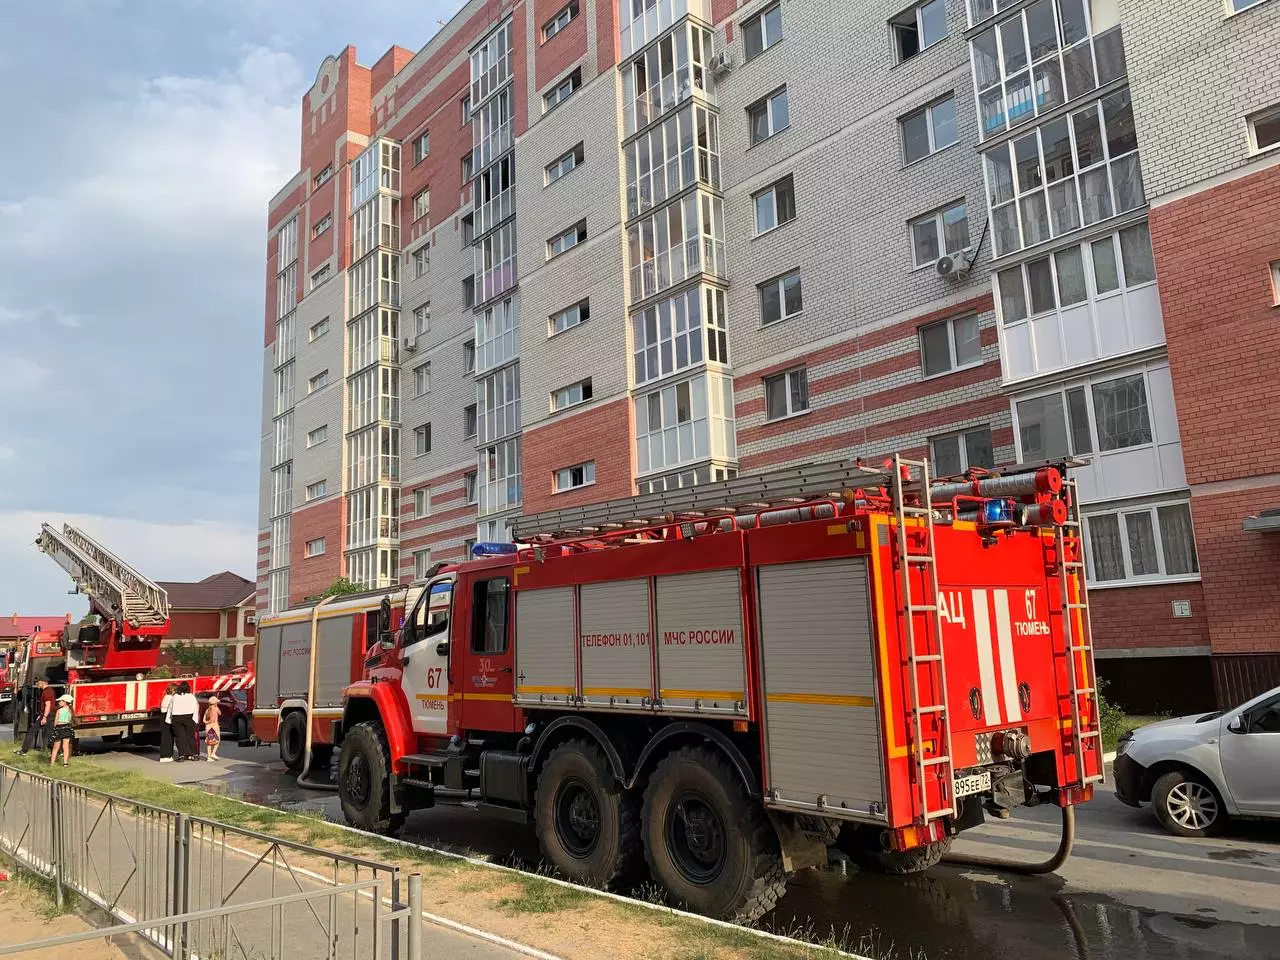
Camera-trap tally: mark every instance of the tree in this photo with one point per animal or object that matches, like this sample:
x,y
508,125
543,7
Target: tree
x,y
188,654
341,587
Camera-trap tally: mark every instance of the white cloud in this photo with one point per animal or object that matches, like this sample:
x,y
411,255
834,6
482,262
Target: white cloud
x,y
33,583
7,453
19,376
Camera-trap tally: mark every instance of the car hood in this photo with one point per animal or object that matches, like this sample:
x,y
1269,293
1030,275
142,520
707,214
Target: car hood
x,y
1191,722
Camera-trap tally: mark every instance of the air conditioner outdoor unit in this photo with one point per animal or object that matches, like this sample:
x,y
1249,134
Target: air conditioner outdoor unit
x,y
721,63
410,344
955,265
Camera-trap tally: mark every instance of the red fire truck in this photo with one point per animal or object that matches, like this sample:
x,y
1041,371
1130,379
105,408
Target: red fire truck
x,y
720,681
103,660
7,689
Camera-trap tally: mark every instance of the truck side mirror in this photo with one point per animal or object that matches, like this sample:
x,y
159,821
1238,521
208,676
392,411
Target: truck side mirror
x,y
386,639
442,648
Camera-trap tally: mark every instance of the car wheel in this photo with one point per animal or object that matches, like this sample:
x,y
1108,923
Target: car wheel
x,y
1187,805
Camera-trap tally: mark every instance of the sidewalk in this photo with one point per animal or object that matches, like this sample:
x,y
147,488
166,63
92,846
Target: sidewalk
x,y
21,921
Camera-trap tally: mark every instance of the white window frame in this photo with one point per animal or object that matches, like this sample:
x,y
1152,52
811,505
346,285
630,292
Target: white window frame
x,y
496,339
575,477
927,111
323,176
918,11
422,503
421,147
562,165
1270,114
421,563
667,336
1275,282
671,156
471,488
562,243
769,22
323,224
790,379
1086,386
938,218
658,262
565,88
956,365
470,421
322,275
771,191
318,381
469,356
422,319
1120,512
314,491
498,404
563,17
962,439
422,379
571,396
421,204
569,318
318,330
781,283
315,548
318,436
422,261
1234,7
500,481
422,440
769,104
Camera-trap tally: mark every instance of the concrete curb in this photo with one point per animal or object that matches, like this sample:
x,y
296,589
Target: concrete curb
x,y
1109,757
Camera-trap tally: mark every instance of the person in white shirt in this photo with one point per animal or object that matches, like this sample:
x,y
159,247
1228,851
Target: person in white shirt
x,y
166,727
185,710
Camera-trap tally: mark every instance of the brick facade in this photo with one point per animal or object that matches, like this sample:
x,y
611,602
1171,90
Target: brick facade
x,y
601,434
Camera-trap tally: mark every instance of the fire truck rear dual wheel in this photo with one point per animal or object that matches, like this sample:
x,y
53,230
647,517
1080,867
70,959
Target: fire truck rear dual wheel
x,y
293,740
588,825
364,780
708,843
868,846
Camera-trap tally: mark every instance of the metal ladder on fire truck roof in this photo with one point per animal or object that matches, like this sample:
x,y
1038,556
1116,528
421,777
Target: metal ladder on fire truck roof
x,y
917,657
1081,645
117,588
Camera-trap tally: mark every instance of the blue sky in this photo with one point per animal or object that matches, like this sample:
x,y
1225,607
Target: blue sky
x,y
143,140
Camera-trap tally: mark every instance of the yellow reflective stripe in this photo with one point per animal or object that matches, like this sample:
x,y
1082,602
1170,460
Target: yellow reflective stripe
x,y
496,697
556,690
828,699
703,695
882,642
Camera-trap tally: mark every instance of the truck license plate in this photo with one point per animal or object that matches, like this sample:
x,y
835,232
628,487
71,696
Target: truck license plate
x,y
974,783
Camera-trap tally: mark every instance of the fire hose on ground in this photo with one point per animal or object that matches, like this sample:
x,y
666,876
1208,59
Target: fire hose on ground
x,y
1028,869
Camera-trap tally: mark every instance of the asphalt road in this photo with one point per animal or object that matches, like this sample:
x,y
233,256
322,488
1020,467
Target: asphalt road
x,y
1129,891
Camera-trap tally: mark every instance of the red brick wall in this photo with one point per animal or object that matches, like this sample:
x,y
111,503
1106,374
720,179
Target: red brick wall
x,y
556,56
1212,252
602,434
233,624
195,625
314,575
608,43
1129,617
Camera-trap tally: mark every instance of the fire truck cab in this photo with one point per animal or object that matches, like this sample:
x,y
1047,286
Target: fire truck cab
x,y
717,683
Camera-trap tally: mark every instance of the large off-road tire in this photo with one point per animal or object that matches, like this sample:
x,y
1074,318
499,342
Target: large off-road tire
x,y
293,740
904,863
709,844
1187,805
364,780
587,822
242,729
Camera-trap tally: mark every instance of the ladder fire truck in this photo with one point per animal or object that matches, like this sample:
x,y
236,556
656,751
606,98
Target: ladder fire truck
x,y
720,681
103,660
7,665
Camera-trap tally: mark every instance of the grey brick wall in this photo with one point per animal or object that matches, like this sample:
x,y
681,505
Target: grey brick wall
x,y
324,461
1195,74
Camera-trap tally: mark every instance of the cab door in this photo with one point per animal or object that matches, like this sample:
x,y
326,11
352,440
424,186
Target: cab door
x,y
486,679
424,657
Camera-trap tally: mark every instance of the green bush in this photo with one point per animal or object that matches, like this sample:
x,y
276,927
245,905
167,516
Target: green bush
x,y
1113,720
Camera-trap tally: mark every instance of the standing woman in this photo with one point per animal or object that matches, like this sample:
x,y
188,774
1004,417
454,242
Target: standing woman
x,y
212,728
185,708
62,732
166,726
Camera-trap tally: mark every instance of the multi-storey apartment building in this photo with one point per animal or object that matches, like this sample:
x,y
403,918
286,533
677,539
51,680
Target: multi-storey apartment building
x,y
572,250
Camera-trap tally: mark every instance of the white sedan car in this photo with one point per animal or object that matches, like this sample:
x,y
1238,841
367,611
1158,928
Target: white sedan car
x,y
1198,771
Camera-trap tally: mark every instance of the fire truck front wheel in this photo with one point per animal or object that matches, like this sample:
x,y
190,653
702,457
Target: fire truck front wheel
x,y
364,780
707,842
588,825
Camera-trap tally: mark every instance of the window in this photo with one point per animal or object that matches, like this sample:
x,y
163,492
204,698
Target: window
x,y
920,27
469,420
941,232
489,616
571,478
775,205
500,481
575,393
1146,542
323,176
566,241
1238,5
781,298
571,317
560,20
316,490
422,440
468,545
929,129
468,167
421,319
496,339
498,404
1264,130
563,164
318,436
1275,281
667,75
1105,415
422,379
318,382
422,502
469,291
321,275
562,91
323,224
950,345
667,336
762,31
1121,414
315,548
954,454
421,146
421,564
422,261
469,489
672,156
786,394
468,222
318,330
469,356
466,109
769,116
421,204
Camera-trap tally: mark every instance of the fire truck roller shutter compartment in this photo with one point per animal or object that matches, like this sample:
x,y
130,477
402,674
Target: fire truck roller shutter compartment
x,y
617,651
821,712
295,660
546,668
268,666
701,654
333,668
